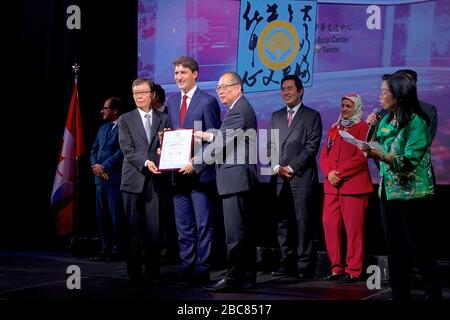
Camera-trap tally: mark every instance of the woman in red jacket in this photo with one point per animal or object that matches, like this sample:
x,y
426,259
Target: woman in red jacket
x,y
347,187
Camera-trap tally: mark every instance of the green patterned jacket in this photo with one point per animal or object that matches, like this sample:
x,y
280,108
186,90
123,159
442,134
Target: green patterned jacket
x,y
409,175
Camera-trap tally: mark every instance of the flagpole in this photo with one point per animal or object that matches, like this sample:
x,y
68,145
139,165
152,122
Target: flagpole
x,y
76,218
64,197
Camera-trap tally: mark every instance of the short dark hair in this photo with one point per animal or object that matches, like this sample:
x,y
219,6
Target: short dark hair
x,y
408,72
386,76
140,81
187,62
298,82
159,91
116,104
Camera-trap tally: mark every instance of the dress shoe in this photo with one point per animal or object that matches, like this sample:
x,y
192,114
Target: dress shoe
x,y
303,275
249,282
96,258
135,280
248,285
306,273
347,278
101,257
183,277
199,279
152,280
333,277
283,272
114,257
222,286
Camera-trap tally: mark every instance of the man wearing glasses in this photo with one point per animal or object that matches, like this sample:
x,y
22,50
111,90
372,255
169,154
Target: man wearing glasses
x,y
235,155
106,162
139,141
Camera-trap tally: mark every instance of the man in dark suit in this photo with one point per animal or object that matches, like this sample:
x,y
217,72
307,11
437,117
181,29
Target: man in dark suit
x,y
193,184
139,141
300,132
234,150
106,162
159,98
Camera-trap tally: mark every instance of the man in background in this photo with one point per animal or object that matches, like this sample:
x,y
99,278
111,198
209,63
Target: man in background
x,y
167,228
159,98
106,162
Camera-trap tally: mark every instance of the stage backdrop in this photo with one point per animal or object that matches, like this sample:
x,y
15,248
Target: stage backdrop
x,y
354,44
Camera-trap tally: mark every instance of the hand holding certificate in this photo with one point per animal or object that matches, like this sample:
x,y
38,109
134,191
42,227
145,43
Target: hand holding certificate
x,y
176,149
360,143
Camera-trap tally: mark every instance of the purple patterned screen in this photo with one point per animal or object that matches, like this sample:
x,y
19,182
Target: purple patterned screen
x,y
354,45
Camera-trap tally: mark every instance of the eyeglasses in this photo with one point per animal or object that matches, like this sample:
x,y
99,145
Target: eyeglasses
x,y
224,87
106,108
140,93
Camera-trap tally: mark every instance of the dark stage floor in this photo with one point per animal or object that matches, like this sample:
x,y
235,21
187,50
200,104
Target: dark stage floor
x,y
31,277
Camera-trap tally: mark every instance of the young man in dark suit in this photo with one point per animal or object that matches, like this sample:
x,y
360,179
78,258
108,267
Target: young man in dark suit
x,y
192,185
139,141
295,177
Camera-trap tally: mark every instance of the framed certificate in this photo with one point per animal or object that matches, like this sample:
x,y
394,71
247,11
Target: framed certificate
x,y
176,149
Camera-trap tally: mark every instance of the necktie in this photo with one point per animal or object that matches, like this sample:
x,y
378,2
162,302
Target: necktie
x,y
290,117
148,125
111,125
183,110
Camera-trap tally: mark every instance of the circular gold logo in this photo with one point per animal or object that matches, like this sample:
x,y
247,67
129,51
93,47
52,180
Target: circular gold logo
x,y
278,44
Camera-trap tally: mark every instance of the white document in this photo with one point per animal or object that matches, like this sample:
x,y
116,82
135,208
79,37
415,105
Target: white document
x,y
176,149
374,145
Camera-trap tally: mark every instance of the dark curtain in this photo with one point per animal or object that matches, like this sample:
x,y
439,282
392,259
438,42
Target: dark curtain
x,y
42,51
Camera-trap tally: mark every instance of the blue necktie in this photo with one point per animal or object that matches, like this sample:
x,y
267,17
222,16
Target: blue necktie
x,y
148,126
110,127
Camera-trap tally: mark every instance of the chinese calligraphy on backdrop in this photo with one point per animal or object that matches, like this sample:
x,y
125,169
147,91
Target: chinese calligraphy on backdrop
x,y
276,38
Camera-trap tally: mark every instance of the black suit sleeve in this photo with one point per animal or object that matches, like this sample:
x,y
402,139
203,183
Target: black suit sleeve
x,y
311,147
129,147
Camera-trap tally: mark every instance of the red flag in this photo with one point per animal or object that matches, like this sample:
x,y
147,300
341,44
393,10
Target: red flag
x,y
64,186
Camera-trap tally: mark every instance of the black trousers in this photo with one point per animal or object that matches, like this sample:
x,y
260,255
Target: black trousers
x,y
142,226
240,235
295,227
409,241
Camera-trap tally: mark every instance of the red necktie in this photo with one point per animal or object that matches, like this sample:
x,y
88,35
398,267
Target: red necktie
x,y
183,110
290,113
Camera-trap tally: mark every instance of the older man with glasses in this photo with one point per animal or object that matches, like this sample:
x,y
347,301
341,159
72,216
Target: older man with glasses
x,y
139,141
236,181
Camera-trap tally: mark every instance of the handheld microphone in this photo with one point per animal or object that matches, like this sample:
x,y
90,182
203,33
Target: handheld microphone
x,y
372,128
